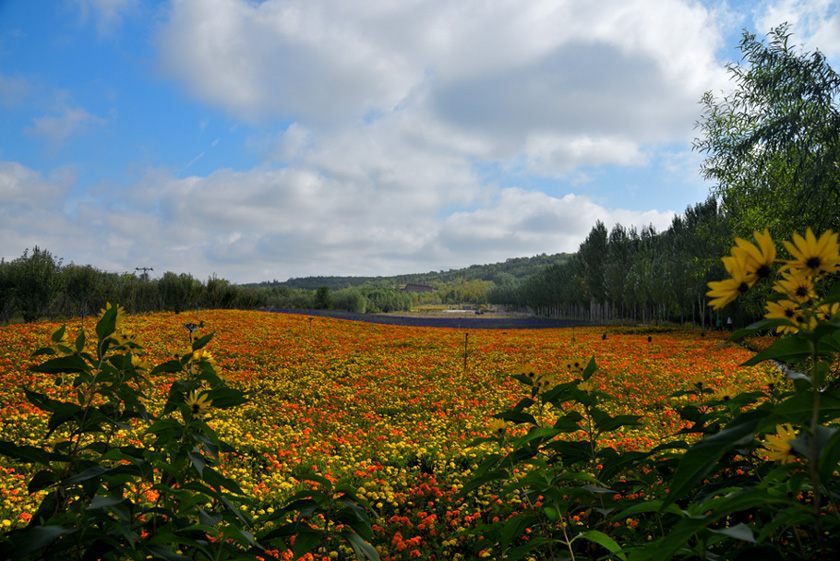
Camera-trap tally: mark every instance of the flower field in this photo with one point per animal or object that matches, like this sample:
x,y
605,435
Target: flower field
x,y
389,410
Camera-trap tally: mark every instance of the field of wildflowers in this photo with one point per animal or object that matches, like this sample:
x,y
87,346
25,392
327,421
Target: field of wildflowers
x,y
388,410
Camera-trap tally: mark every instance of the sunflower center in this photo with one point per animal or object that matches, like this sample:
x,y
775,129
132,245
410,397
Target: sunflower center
x,y
789,313
763,272
813,263
743,287
802,291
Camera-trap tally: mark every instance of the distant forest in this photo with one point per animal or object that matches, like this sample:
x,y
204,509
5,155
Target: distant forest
x,y
518,268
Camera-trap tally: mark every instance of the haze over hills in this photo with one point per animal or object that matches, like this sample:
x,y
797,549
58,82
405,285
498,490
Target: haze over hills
x,y
513,269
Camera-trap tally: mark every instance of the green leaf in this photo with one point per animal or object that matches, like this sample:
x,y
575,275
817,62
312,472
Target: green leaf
x,y
41,480
605,423
475,483
789,349
85,475
208,519
605,541
589,370
38,537
740,532
517,417
197,460
699,460
225,398
830,456
217,481
168,367
58,334
62,365
29,454
360,546
80,341
202,342
306,541
108,324
798,407
536,433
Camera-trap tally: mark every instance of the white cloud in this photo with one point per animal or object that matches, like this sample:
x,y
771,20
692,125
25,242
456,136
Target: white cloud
x,y
58,128
261,224
108,14
497,74
814,23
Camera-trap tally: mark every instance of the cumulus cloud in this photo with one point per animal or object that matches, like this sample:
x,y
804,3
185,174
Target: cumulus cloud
x,y
503,72
375,124
263,224
814,23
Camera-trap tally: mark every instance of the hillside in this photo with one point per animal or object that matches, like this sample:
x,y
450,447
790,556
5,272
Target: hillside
x,y
518,268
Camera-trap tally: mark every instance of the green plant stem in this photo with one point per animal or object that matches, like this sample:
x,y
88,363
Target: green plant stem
x,y
815,479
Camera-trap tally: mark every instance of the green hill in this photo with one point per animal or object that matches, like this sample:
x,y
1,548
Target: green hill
x,y
516,268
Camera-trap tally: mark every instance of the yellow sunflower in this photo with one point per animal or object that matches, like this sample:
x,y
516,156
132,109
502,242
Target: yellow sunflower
x,y
827,311
757,261
725,291
777,446
797,287
198,403
725,394
574,365
526,370
785,309
814,256
585,387
498,426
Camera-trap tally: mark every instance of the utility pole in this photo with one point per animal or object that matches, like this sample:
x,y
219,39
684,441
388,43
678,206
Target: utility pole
x,y
145,274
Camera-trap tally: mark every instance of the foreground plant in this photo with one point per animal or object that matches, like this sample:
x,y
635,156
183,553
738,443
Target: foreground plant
x,y
759,473
118,481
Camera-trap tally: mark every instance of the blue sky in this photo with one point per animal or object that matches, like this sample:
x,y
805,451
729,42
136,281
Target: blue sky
x,y
276,139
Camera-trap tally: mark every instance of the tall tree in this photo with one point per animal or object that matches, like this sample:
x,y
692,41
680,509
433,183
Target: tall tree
x,y
773,145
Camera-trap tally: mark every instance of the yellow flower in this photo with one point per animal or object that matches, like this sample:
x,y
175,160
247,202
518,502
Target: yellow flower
x,y
498,426
526,370
827,311
797,287
785,309
585,387
757,261
725,291
574,365
697,381
773,379
777,447
198,403
140,363
814,256
725,394
543,383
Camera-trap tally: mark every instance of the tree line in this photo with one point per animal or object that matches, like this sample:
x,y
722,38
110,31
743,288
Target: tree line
x,y
37,284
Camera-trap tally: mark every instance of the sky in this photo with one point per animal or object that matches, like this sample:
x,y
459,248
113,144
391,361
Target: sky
x,y
259,141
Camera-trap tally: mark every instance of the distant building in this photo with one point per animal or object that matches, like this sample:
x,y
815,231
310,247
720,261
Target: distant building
x,y
417,288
